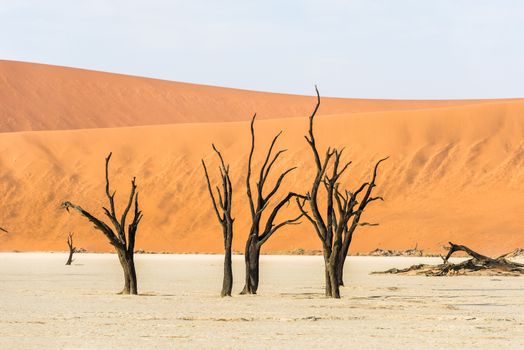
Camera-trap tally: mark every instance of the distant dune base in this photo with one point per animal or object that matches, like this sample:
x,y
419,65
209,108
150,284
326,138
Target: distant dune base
x,y
455,171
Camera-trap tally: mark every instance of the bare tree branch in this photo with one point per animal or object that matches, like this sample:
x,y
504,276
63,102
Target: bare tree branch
x,y
123,243
249,164
259,232
332,226
213,200
224,217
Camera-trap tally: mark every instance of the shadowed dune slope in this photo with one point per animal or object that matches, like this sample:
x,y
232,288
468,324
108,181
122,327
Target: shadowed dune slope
x,y
455,173
44,97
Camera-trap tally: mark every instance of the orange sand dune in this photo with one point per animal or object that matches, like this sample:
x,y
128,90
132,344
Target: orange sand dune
x,y
455,173
44,97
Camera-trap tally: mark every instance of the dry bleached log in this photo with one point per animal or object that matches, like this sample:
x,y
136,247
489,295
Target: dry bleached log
x,y
477,265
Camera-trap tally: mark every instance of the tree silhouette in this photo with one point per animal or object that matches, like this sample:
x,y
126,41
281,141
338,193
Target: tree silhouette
x,y
222,208
259,203
123,240
72,248
343,208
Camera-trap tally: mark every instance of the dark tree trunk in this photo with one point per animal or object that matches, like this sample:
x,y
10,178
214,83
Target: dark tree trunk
x,y
252,259
125,269
328,280
128,267
330,270
341,260
133,285
332,286
339,269
337,260
327,276
72,248
70,259
227,283
335,290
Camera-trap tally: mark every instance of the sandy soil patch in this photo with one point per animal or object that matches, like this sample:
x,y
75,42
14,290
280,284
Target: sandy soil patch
x,y
47,305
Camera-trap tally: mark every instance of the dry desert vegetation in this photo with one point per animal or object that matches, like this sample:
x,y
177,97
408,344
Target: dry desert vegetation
x,y
193,169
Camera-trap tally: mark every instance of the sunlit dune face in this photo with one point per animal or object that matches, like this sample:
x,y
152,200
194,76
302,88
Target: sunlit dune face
x,y
455,167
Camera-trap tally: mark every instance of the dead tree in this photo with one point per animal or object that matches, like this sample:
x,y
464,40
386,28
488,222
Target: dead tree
x,y
350,206
478,265
3,229
343,209
124,242
72,248
259,202
222,208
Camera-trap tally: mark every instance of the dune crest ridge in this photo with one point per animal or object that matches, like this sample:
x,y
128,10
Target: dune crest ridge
x,y
45,97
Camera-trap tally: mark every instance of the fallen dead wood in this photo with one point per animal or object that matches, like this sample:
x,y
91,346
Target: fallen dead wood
x,y
478,264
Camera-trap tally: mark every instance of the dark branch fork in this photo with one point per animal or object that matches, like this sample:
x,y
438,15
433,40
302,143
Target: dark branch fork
x,y
72,248
259,202
123,240
343,208
222,208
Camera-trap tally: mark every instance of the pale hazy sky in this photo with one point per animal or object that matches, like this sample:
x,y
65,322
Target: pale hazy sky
x,y
358,48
